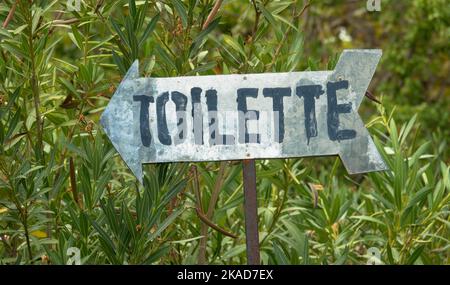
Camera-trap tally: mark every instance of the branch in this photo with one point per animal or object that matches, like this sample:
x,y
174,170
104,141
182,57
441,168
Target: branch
x,y
212,14
58,16
73,182
280,45
98,6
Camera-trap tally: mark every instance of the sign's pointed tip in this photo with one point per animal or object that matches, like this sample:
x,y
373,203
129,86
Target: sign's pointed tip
x,y
102,119
140,181
118,117
135,63
357,66
139,178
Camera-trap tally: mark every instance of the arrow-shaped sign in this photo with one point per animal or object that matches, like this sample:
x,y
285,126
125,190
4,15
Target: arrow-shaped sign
x,y
245,116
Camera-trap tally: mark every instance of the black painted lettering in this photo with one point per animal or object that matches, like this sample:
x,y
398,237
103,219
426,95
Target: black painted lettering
x,y
277,95
246,115
163,132
180,101
144,120
215,137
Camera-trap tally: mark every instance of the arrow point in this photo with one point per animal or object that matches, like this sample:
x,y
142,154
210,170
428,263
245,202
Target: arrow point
x,y
360,57
132,73
136,168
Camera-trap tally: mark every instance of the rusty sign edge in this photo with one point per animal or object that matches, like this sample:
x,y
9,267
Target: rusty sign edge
x,y
356,65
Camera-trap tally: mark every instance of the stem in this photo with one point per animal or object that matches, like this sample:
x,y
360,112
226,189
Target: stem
x,y
251,212
27,235
206,221
252,38
70,137
212,14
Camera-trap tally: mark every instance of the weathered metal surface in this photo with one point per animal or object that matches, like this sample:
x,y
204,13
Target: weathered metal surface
x,y
251,212
152,120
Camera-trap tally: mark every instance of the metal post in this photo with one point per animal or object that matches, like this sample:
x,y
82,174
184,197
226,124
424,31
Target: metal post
x,y
251,212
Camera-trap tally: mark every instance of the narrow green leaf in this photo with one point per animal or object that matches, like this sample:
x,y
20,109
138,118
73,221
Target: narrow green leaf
x,y
415,255
166,223
69,86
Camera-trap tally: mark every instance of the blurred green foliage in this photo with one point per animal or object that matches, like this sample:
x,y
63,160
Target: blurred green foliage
x,y
62,184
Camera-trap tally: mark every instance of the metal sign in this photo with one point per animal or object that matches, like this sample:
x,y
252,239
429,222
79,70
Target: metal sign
x,y
245,116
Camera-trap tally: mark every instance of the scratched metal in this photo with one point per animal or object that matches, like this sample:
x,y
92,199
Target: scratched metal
x,y
121,123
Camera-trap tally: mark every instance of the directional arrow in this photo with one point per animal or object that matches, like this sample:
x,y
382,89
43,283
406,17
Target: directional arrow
x,y
248,116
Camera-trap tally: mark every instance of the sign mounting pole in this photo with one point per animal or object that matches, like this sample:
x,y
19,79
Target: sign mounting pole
x,y
251,212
